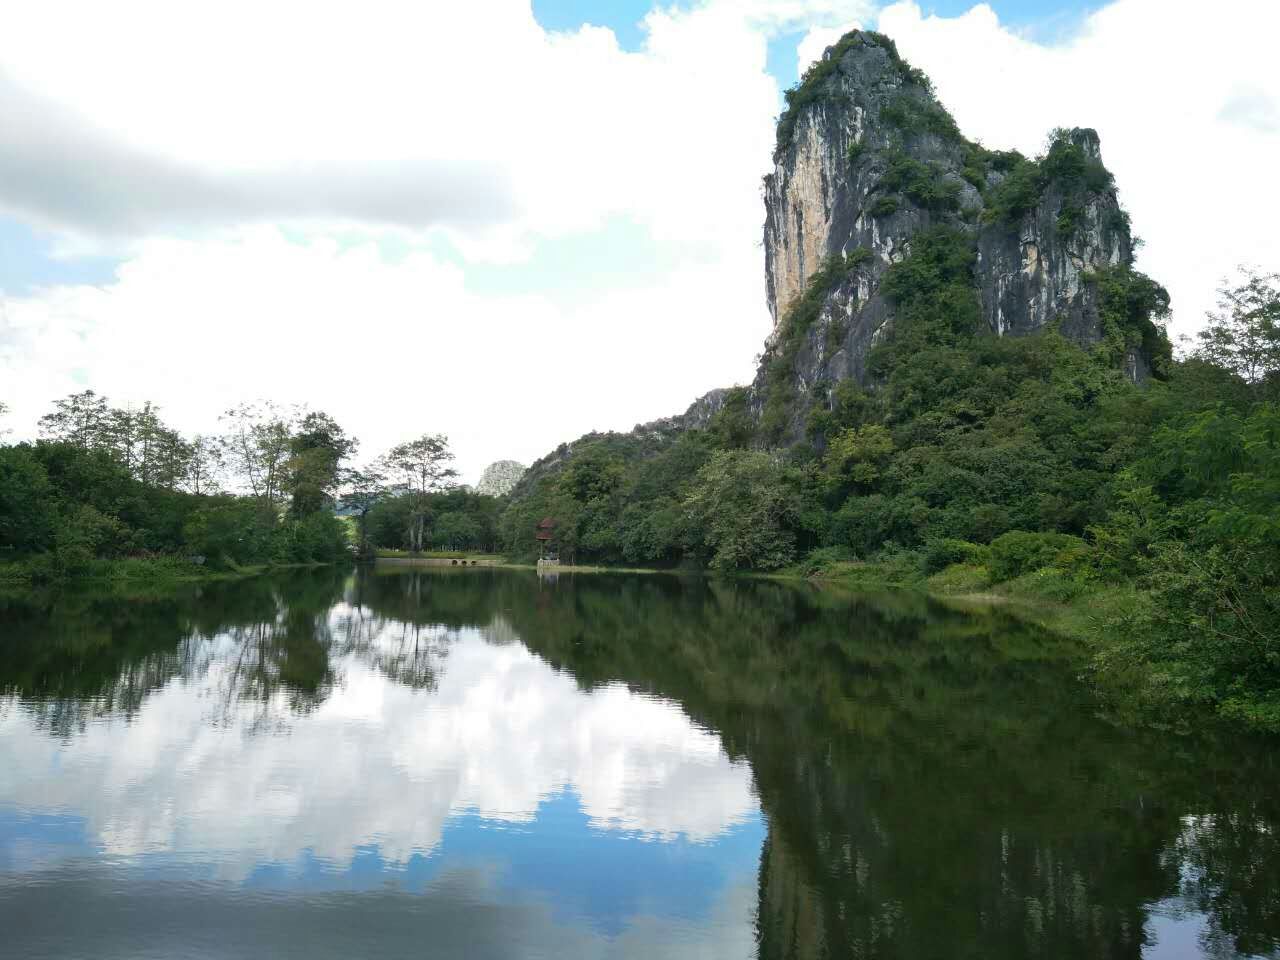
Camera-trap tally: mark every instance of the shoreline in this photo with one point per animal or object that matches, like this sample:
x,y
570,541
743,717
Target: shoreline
x,y
1087,614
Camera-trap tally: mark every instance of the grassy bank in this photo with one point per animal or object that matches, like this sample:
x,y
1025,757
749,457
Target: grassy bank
x,y
41,569
1136,687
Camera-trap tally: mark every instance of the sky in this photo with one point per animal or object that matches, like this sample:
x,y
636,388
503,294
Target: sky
x,y
517,222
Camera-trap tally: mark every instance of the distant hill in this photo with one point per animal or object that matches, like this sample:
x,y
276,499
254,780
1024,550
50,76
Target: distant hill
x,y
500,477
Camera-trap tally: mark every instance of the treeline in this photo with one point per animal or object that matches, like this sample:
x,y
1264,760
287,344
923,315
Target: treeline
x,y
981,460
105,487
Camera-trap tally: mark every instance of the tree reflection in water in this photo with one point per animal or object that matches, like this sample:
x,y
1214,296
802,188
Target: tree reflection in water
x,y
936,783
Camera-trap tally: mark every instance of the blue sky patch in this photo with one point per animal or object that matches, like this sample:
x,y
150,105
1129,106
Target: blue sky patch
x,y
27,262
602,876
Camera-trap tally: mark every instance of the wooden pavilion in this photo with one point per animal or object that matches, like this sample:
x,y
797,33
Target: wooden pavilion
x,y
546,537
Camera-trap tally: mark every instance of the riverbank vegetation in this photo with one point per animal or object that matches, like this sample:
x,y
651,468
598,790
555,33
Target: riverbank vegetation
x,y
1026,466
115,493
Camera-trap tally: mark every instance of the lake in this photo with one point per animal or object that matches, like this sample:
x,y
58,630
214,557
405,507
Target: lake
x,y
484,763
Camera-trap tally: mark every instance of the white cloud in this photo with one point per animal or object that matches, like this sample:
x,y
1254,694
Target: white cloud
x,y
1184,105
183,139
465,120
391,348
501,732
816,41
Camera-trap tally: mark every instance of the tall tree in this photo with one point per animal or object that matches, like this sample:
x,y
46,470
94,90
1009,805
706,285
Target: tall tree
x,y
317,449
422,467
1244,334
363,489
204,463
82,419
257,447
153,452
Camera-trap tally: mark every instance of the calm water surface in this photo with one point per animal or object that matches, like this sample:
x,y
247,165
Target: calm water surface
x,y
483,764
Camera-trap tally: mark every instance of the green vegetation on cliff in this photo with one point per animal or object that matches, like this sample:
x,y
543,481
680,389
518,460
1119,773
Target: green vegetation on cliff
x,y
1029,462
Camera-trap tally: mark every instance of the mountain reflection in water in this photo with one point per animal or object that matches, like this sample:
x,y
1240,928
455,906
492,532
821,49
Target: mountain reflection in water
x,y
480,763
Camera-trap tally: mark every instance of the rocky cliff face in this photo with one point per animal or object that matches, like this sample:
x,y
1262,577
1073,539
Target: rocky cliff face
x,y
500,478
866,159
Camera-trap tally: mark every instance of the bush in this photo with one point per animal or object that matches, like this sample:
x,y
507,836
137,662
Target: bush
x,y
884,206
1019,552
960,578
942,552
900,566
925,184
1050,583
824,559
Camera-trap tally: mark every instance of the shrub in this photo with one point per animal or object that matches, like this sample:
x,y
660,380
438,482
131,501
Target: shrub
x,y
810,89
925,184
1019,552
960,578
825,559
941,552
915,115
884,206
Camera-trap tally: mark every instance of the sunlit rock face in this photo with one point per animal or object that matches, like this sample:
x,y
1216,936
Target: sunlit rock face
x,y
827,197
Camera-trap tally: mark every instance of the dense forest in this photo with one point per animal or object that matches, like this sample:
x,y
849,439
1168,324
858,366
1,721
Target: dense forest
x,y
976,461
979,460
108,491
1075,458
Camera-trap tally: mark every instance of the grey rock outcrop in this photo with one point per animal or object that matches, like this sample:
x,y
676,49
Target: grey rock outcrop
x,y
867,158
500,478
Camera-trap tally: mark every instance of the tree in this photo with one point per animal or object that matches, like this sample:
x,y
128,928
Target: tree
x,y
422,467
257,447
317,449
363,489
745,506
204,462
856,458
151,451
27,502
1243,336
82,419
455,531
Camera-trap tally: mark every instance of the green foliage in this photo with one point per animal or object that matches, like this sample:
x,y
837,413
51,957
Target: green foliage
x,y
318,448
1133,307
1198,525
108,488
454,520
884,206
916,115
934,294
1243,335
1066,166
942,552
780,362
26,502
732,426
1016,194
924,184
744,504
839,408
824,561
1017,552
813,85
856,458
